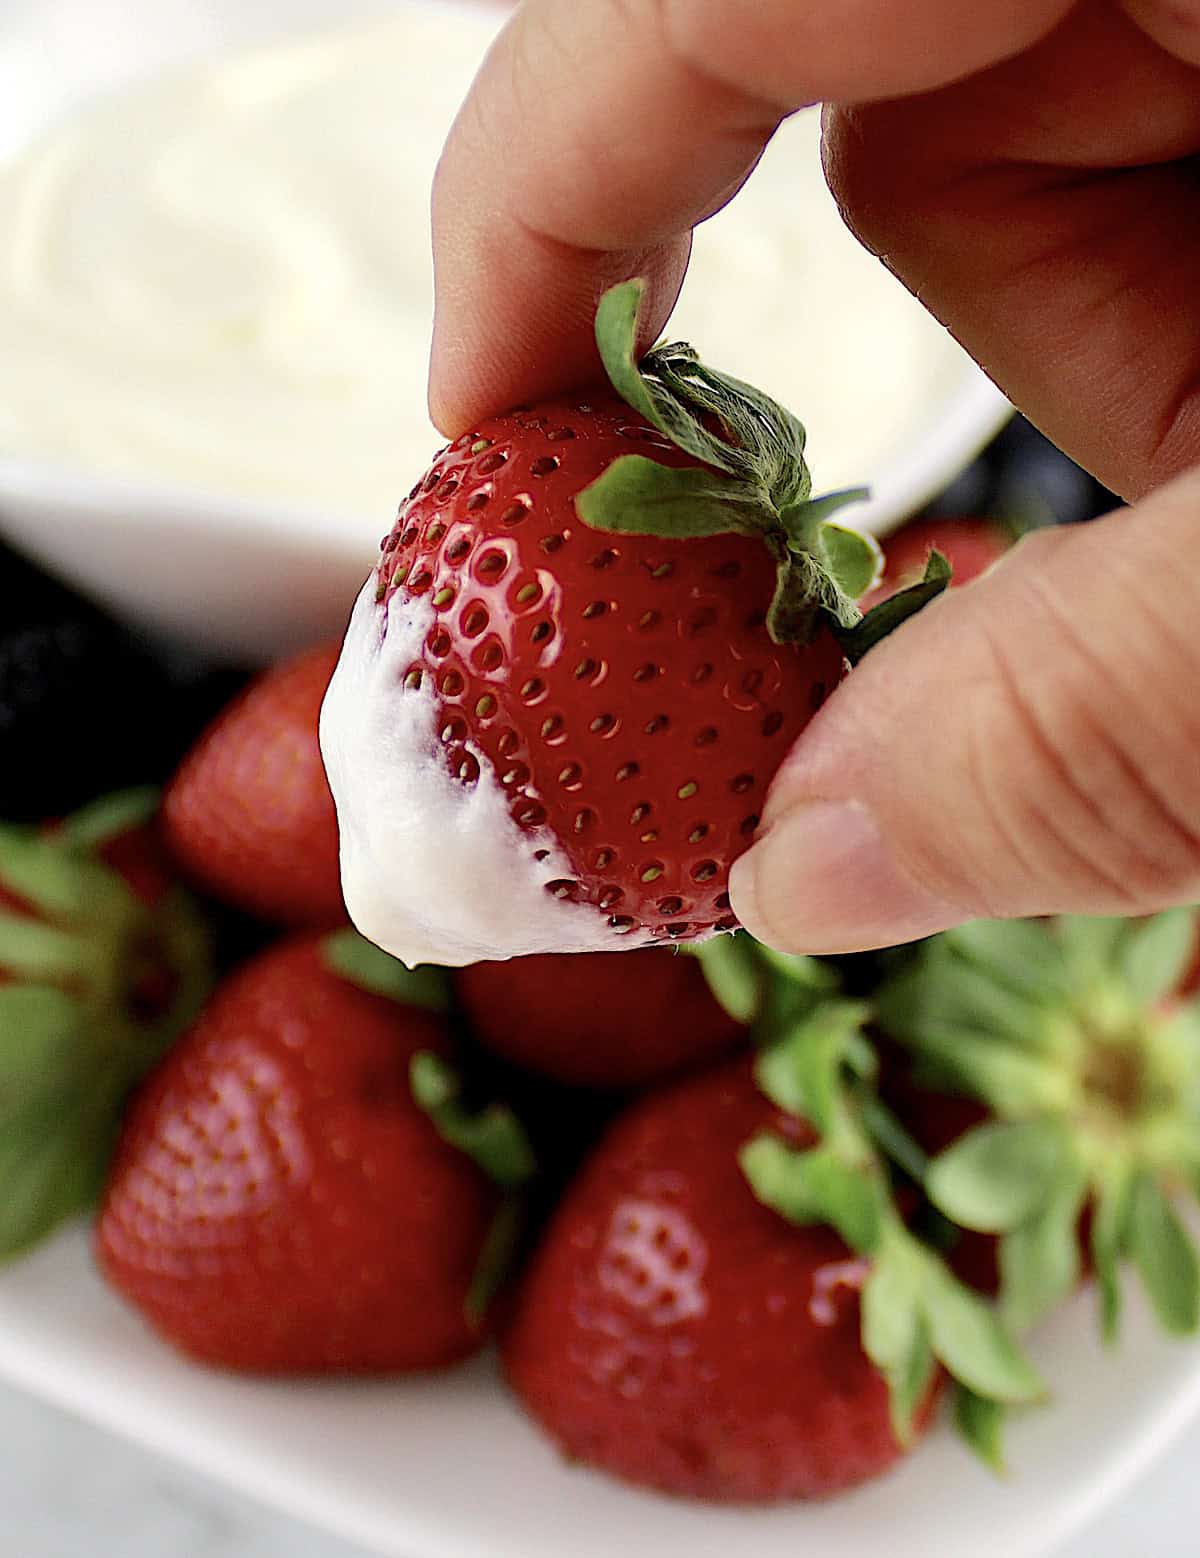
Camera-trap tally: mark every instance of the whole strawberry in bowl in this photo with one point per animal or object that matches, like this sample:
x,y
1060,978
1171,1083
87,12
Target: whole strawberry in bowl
x,y
596,1020
298,1189
248,815
728,1305
593,633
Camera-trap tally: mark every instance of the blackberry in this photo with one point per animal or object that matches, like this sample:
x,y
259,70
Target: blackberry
x,y
82,702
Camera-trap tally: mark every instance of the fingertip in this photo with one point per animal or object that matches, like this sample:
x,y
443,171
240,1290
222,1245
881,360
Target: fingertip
x,y
529,330
823,880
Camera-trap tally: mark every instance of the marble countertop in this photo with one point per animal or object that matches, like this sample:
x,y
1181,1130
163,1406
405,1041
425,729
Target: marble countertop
x,y
67,1488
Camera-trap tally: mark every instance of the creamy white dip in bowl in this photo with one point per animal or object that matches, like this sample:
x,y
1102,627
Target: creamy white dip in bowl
x,y
215,296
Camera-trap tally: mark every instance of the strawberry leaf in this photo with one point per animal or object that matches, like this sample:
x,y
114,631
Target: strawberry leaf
x,y
99,984
41,1039
53,1156
616,338
980,1423
909,1386
968,1337
816,1186
731,966
497,1258
1165,1258
892,1139
637,496
796,969
945,990
31,949
755,480
890,1309
110,817
803,1072
1019,955
892,613
46,878
997,1176
1090,943
895,1336
1155,954
855,560
362,963
1039,1260
1110,1232
493,1138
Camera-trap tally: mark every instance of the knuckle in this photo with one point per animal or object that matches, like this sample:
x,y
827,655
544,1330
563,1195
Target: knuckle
x,y
1096,793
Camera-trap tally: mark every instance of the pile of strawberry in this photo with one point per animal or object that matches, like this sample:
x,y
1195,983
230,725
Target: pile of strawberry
x,y
737,1222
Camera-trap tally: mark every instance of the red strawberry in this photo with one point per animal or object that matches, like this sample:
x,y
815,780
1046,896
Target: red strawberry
x,y
589,1020
279,1202
581,612
249,815
624,690
676,1332
103,961
969,545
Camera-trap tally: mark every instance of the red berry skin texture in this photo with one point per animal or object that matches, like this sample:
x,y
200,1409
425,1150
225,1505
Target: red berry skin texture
x,y
249,816
623,688
278,1203
676,1333
599,1019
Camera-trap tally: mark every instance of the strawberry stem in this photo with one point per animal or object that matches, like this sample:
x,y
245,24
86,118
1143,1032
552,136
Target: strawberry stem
x,y
755,481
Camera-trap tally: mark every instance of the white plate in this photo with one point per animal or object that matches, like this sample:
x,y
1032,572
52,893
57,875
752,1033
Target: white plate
x,y
448,1468
259,577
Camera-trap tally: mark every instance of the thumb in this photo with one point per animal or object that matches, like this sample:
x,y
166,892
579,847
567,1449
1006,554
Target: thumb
x,y
1027,745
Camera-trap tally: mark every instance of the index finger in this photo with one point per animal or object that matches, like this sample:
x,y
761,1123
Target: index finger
x,y
599,132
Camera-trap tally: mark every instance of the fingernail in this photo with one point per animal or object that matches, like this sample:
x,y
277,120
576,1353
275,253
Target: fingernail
x,y
822,879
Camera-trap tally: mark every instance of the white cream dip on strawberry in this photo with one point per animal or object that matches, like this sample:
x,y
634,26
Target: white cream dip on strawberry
x,y
222,279
433,871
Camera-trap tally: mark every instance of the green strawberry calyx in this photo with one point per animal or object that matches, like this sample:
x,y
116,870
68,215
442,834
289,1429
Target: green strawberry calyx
x,y
1072,1033
754,481
816,1063
491,1135
495,1140
362,963
95,985
916,1314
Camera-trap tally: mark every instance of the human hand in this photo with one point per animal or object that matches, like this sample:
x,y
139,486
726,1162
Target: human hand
x,y
1030,744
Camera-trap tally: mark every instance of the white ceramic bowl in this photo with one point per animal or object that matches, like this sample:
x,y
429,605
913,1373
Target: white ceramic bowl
x,y
256,578
447,1467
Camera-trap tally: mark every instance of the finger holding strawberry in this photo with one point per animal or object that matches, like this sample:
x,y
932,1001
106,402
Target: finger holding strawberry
x,y
594,632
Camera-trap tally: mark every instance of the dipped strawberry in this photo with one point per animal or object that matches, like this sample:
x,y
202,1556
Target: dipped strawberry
x,y
596,1019
593,633
249,815
280,1202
